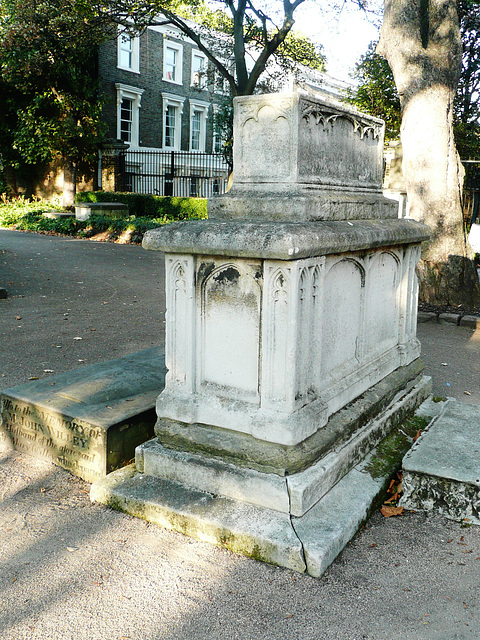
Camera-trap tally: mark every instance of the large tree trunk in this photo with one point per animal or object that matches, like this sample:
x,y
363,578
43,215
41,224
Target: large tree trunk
x,y
421,41
69,183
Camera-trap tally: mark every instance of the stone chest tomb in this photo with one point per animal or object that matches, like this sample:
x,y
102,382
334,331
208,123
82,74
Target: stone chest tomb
x,y
290,333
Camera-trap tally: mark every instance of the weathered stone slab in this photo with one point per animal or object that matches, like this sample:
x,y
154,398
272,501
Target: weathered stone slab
x,y
295,493
442,470
470,321
282,240
261,534
90,420
84,210
58,215
268,457
308,543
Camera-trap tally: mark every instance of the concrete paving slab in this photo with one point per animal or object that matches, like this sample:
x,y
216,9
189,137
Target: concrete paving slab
x,y
89,420
442,470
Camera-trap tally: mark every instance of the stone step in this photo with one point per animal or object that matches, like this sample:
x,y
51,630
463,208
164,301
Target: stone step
x,y
90,420
307,543
299,492
442,470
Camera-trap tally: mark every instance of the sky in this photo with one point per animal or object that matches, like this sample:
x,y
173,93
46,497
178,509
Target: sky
x,y
344,33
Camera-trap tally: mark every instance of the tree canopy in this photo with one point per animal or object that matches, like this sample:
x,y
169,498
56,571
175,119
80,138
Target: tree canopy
x,y
255,33
377,93
51,106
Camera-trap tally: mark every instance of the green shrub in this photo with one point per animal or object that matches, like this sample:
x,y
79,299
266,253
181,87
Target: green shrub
x,y
155,211
165,208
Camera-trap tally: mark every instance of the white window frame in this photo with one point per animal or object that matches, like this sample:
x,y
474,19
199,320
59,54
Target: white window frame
x,y
175,101
170,44
135,95
201,83
202,107
134,53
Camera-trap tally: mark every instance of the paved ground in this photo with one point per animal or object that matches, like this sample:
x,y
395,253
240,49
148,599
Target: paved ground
x,y
70,570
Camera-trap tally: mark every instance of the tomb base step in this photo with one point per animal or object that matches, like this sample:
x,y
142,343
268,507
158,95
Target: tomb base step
x,y
442,470
294,493
308,543
88,421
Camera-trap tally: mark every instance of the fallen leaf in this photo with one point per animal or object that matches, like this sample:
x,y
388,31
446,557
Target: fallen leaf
x,y
71,549
417,435
395,498
33,378
467,393
18,317
392,486
388,512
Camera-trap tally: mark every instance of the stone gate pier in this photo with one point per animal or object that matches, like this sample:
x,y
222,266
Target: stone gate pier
x,y
290,342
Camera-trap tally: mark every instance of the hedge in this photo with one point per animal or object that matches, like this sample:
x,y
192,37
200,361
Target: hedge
x,y
140,205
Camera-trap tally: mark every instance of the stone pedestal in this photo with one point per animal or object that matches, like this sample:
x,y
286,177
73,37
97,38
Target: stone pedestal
x,y
291,316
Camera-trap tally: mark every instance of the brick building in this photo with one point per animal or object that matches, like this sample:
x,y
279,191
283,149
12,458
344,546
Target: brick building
x,y
160,102
158,93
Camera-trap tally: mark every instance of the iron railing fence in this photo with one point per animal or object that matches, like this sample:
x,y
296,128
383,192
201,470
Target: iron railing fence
x,y
172,173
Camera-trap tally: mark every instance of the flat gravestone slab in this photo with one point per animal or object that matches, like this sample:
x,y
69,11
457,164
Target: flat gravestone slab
x,y
442,471
84,210
90,420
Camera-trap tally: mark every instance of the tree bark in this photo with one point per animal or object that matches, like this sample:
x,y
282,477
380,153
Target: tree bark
x,y
421,41
69,183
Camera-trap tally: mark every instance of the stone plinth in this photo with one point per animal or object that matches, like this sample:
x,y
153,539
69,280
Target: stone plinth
x,y
291,342
298,157
90,420
272,346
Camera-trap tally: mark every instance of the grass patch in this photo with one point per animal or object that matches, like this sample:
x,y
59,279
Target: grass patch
x,y
26,215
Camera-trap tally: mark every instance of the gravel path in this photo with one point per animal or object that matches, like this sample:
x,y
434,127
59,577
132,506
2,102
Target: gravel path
x,y
70,570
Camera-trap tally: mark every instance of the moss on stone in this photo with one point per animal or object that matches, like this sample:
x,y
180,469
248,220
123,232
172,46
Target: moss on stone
x,y
387,457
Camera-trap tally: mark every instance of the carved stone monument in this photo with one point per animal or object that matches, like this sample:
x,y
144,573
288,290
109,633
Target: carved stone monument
x,y
290,336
